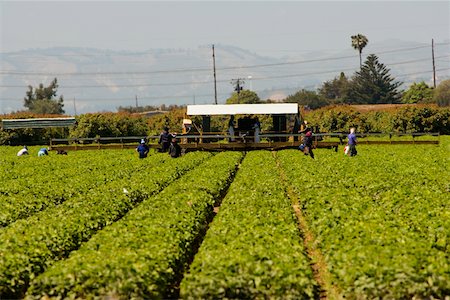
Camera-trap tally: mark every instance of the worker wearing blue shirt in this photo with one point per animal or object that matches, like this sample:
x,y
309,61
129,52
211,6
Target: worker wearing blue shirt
x,y
352,142
142,149
42,152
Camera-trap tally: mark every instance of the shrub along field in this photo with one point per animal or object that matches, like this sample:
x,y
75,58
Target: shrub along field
x,y
396,119
105,223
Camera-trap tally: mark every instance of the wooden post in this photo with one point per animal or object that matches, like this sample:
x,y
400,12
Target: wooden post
x,y
215,83
434,67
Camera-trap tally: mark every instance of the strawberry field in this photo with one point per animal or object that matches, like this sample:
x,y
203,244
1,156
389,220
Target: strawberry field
x,y
261,224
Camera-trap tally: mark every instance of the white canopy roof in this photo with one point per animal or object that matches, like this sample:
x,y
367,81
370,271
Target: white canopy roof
x,y
37,123
242,109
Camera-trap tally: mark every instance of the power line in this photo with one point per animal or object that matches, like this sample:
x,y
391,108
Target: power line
x,y
221,94
423,72
209,82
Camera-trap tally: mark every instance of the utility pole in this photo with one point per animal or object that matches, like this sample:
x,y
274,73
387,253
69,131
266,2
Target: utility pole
x,y
74,106
136,102
238,85
434,67
214,69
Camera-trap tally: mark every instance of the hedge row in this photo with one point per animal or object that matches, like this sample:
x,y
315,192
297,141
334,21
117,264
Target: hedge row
x,y
410,119
55,180
381,219
88,126
414,118
144,254
253,248
29,246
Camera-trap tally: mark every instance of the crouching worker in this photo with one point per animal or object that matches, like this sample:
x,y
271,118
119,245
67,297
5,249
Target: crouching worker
x,y
23,151
42,152
307,141
142,149
174,148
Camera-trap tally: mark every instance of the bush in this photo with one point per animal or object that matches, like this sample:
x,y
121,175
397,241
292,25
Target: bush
x,y
411,119
108,125
442,93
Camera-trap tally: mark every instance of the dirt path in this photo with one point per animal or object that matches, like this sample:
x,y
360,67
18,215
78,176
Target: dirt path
x,y
318,264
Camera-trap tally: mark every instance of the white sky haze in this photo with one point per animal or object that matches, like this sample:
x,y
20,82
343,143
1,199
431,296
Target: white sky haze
x,y
268,28
273,31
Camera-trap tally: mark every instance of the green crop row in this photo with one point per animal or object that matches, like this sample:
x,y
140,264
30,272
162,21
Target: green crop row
x,y
31,165
29,246
253,248
54,167
63,179
381,219
29,174
144,254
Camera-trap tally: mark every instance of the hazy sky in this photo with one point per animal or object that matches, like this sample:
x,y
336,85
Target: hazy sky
x,y
270,28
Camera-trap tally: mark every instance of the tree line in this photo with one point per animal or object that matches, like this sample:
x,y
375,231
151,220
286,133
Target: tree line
x,y
404,119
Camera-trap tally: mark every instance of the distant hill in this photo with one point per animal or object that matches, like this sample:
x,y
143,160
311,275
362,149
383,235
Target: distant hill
x,y
102,80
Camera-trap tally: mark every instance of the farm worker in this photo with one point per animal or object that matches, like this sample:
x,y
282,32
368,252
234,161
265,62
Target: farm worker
x,y
23,151
164,139
61,152
257,127
174,148
42,152
352,142
307,140
231,125
142,149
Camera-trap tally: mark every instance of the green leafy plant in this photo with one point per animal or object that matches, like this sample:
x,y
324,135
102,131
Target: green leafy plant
x,y
144,254
253,248
41,184
381,218
29,246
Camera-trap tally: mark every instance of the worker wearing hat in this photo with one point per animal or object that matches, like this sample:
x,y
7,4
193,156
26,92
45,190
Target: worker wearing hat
x,y
142,149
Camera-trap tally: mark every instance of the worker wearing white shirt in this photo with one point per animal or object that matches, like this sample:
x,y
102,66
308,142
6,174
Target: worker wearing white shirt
x,y
23,151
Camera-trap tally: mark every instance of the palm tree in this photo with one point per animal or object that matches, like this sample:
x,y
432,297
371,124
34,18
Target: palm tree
x,y
359,41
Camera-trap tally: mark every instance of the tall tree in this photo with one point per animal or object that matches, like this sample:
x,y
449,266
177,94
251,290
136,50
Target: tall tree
x,y
359,41
335,90
43,100
373,84
307,98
